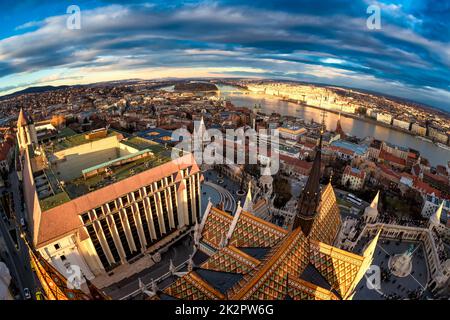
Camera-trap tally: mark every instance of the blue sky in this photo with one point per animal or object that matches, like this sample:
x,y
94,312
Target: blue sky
x,y
317,41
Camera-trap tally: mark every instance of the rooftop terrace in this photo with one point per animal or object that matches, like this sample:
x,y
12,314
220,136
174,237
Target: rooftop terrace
x,y
88,169
67,138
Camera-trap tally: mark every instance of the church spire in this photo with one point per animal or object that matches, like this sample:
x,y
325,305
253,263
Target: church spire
x,y
374,203
248,203
310,196
22,120
435,219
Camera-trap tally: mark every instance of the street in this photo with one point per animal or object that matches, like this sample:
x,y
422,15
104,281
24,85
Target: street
x,y
178,253
17,260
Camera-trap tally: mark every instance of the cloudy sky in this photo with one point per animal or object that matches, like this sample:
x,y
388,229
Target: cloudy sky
x,y
325,41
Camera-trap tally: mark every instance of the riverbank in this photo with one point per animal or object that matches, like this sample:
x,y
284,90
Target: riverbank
x,y
345,114
351,124
353,116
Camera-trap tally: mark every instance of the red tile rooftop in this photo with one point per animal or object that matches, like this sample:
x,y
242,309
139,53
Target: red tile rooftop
x,y
389,171
354,172
436,177
341,150
426,188
391,158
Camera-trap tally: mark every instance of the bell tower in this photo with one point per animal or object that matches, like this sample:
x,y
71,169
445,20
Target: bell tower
x,y
26,131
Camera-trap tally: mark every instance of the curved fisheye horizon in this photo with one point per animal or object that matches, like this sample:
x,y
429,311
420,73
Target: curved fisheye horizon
x,y
405,54
224,155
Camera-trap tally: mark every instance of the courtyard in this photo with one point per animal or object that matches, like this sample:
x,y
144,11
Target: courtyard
x,y
393,287
221,189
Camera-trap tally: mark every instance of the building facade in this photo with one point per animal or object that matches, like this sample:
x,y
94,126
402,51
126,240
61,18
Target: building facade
x,y
99,213
354,177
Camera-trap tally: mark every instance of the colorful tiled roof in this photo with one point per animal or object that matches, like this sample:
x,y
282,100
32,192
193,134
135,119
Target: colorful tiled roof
x,y
251,231
193,287
340,268
231,259
296,266
216,227
303,290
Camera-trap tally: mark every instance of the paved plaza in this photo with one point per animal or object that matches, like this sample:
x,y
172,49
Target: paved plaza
x,y
391,285
220,188
179,252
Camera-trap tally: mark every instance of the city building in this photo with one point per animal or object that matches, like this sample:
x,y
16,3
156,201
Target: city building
x,y
439,182
374,149
403,124
7,152
392,160
26,131
418,129
353,177
295,167
347,150
99,200
291,132
161,136
249,258
384,117
437,262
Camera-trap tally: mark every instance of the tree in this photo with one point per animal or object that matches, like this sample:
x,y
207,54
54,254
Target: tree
x,y
253,170
282,190
415,201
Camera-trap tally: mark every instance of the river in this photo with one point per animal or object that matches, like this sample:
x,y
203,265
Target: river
x,y
354,127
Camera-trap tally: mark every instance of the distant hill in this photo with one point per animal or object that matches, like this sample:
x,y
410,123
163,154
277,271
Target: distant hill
x,y
36,90
196,86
